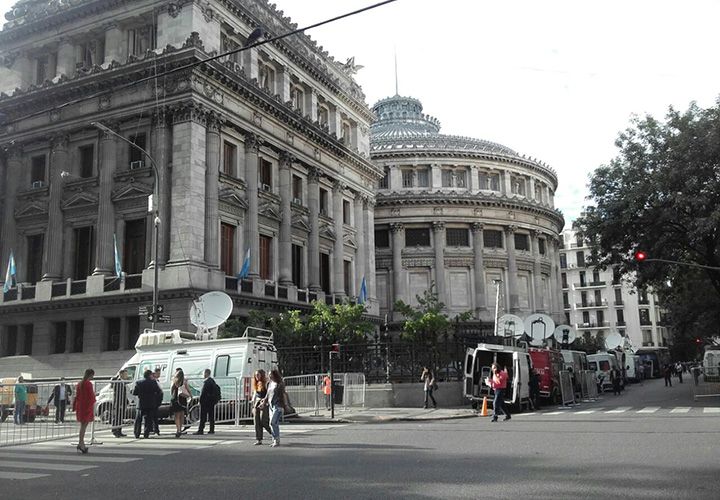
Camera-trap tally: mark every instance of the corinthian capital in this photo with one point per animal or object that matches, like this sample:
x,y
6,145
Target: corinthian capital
x,y
477,227
286,159
438,226
253,143
60,142
396,227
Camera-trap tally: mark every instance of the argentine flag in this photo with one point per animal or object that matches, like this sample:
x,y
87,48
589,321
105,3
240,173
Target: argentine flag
x,y
362,298
118,265
10,275
246,266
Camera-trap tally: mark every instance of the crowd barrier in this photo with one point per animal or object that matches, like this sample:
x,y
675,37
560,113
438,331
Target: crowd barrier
x,y
567,392
706,382
588,385
308,397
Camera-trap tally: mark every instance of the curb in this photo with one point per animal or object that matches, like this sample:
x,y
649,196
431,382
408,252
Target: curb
x,y
377,419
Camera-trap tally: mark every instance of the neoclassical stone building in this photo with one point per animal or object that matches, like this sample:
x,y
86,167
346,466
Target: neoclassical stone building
x,y
461,213
267,149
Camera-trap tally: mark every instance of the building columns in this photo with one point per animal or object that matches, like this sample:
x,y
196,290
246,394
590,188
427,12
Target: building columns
x,y
439,246
555,280
9,243
252,229
369,221
52,258
338,288
537,273
314,236
212,187
398,275
162,157
512,269
479,265
285,277
104,250
360,263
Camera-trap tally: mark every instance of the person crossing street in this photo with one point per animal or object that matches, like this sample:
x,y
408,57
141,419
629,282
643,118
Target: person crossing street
x,y
498,383
148,392
209,397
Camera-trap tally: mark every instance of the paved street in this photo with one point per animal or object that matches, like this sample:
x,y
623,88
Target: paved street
x,y
651,442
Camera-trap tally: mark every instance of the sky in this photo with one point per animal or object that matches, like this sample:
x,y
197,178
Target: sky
x,y
554,80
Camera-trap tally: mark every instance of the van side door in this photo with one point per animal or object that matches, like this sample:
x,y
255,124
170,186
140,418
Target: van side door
x,y
469,373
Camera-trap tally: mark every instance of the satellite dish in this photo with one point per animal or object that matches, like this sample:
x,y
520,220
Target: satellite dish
x,y
539,327
510,325
565,334
210,311
614,340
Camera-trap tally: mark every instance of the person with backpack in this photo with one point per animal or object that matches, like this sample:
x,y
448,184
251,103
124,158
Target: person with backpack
x,y
209,397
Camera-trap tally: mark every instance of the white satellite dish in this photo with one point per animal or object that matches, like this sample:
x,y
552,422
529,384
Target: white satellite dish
x,y
614,340
564,334
510,325
209,311
539,327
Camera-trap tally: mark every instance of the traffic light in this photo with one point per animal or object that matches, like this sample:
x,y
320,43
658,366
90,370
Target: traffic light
x,y
336,348
640,256
698,340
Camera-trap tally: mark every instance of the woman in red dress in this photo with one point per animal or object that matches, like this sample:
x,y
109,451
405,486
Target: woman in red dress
x,y
84,406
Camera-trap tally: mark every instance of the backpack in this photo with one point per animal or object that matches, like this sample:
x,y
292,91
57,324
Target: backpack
x,y
218,393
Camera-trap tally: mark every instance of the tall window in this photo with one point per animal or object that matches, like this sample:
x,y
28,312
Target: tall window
x,y
325,272
563,277
266,77
382,238
227,44
538,192
600,318
346,128
457,237
132,327
42,69
492,238
417,237
265,257
140,40
447,178
563,261
37,168
265,175
522,242
408,176
566,300
618,297
87,160
323,201
586,317
134,248
92,52
297,96
112,334
297,265
582,278
11,347
227,249
323,116
229,158
460,178
27,346
346,212
78,332
384,183
580,259
347,277
84,252
583,299
541,246
60,330
598,297
297,189
423,177
620,317
596,276
34,258
134,154
517,185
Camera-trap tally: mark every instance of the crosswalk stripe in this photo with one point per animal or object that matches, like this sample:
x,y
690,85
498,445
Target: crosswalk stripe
x,y
45,466
104,450
556,413
711,410
588,412
620,409
681,409
649,409
20,475
72,458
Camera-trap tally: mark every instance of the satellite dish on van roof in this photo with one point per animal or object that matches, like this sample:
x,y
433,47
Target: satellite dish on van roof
x,y
210,311
564,334
539,327
510,325
614,340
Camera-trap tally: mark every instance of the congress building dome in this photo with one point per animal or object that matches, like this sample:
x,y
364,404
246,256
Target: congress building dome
x,y
461,213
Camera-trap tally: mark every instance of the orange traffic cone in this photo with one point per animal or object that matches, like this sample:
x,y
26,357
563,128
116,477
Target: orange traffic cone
x,y
484,412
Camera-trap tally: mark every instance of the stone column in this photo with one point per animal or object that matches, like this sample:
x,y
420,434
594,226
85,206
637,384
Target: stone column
x,y
311,104
397,269
439,246
52,258
114,46
537,274
361,244
284,84
13,174
314,236
104,250
161,154
479,265
395,178
555,279
285,278
369,223
338,288
66,58
473,183
68,252
512,269
507,183
435,176
531,194
252,230
212,187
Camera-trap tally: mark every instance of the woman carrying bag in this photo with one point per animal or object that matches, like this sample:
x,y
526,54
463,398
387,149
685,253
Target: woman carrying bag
x,y
277,399
179,398
260,409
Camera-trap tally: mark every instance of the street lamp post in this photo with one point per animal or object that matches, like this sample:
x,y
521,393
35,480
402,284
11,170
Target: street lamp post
x,y
497,284
154,206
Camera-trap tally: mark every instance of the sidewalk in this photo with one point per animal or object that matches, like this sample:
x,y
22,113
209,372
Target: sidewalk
x,y
384,415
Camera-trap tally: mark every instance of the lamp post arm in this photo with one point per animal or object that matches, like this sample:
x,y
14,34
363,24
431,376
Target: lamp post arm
x,y
691,264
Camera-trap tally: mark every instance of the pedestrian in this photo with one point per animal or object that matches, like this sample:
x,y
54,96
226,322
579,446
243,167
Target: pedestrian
x,y
428,379
498,383
327,390
209,397
679,371
615,381
158,403
180,396
20,401
61,396
534,389
260,408
667,371
641,372
147,391
276,397
120,402
84,406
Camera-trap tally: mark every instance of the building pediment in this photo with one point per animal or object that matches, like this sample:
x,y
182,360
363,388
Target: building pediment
x,y
350,240
326,231
131,191
269,211
232,197
299,222
79,201
31,209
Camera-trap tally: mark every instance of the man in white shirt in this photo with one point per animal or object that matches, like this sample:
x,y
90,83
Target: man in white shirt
x,y
61,395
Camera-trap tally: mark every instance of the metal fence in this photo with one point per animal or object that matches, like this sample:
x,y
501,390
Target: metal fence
x,y
567,392
307,396
234,404
588,385
706,382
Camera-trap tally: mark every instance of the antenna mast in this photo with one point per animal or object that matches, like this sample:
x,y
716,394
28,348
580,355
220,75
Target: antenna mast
x,y
396,74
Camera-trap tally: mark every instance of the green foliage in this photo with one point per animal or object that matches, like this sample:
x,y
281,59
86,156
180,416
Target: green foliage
x,y
662,195
426,322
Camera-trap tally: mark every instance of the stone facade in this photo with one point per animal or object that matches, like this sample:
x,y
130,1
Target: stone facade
x,y
266,149
460,213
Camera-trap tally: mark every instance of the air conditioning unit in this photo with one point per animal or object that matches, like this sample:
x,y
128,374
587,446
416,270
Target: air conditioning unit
x,y
134,165
297,201
265,187
37,184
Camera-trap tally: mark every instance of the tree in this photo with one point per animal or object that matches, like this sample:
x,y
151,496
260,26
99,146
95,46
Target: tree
x,y
426,322
661,195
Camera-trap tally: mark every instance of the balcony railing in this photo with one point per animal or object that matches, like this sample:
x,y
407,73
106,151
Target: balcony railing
x,y
645,322
589,304
586,326
619,302
620,323
644,301
590,284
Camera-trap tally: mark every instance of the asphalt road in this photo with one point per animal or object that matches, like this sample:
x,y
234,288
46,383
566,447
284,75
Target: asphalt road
x,y
651,442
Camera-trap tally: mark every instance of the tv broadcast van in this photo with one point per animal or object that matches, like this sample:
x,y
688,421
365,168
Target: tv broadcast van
x,y
477,368
601,363
548,363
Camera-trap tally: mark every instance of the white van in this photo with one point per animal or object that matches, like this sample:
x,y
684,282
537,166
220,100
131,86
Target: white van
x,y
601,363
228,359
477,368
632,365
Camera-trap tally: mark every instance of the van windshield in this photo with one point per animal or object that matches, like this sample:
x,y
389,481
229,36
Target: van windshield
x,y
593,365
605,365
131,371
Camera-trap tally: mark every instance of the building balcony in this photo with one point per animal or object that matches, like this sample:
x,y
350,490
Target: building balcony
x,y
619,302
645,322
620,324
591,326
69,288
589,284
644,301
591,304
566,306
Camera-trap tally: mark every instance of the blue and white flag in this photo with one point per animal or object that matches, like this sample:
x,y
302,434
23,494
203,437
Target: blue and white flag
x,y
362,298
118,265
10,275
246,266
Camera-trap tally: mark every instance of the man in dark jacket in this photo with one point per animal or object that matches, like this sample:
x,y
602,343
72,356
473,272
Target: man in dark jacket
x,y
209,397
148,391
120,402
61,395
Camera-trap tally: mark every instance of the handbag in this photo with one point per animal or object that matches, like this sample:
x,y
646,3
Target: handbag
x,y
435,387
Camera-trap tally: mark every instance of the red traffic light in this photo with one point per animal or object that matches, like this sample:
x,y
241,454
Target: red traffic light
x,y
640,256
698,341
336,348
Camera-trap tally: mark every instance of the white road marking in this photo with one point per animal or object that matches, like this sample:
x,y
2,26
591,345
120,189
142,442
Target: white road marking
x,y
588,412
45,466
649,409
105,450
555,413
711,410
20,475
620,409
681,409
72,458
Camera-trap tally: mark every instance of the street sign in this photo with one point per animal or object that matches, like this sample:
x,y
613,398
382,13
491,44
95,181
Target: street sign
x,y
150,317
143,310
160,309
164,318
146,310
